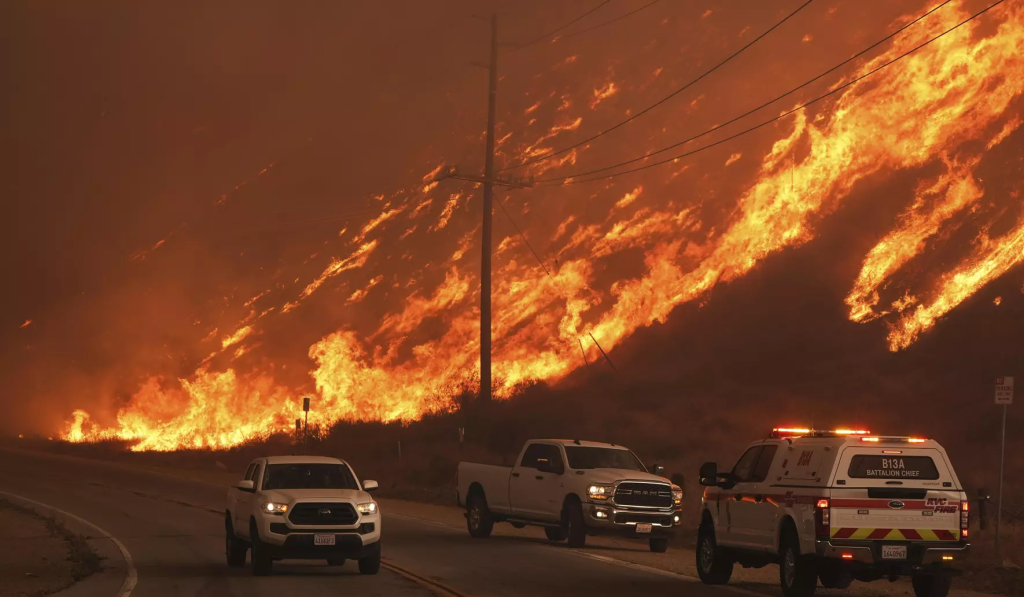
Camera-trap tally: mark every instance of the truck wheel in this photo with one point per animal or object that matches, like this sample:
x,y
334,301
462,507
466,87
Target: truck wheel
x,y
797,573
555,533
576,532
833,577
370,564
713,566
478,518
658,544
261,558
931,585
234,548
335,561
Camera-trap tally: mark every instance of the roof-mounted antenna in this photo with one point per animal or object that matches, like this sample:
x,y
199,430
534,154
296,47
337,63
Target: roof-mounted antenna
x,y
576,441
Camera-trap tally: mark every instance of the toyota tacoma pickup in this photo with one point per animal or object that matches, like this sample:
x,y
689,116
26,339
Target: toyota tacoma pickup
x,y
573,489
302,507
835,506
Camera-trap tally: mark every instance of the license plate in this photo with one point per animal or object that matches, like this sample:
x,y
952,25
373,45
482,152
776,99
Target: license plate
x,y
644,528
894,552
323,539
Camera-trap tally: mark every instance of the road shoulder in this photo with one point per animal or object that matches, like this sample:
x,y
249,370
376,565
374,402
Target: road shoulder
x,y
95,565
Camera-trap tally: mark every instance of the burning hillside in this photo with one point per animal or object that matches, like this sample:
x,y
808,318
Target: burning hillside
x,y
617,254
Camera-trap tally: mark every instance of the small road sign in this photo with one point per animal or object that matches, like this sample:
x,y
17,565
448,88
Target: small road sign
x,y
305,404
1004,390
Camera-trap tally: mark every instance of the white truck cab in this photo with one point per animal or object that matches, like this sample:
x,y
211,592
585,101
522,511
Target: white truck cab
x,y
837,506
302,507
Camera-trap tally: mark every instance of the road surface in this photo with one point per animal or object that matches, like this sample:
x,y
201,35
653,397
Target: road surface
x,y
173,529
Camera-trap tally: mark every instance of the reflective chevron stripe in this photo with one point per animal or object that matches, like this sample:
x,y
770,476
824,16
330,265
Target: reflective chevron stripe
x,y
896,534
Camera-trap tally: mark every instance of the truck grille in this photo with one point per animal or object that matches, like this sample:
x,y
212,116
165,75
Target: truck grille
x,y
643,494
323,514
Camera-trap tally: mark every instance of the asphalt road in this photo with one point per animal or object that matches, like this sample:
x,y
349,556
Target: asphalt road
x,y
173,529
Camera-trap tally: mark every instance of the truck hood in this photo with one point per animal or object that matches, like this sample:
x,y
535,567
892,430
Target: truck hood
x,y
287,496
611,475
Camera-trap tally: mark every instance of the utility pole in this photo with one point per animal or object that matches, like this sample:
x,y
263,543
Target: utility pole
x,y
486,245
488,180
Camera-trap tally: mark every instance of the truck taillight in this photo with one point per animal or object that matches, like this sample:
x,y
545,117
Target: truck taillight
x,y
822,522
965,518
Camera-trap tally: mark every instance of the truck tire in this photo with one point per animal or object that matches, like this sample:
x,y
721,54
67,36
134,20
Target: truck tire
x,y
714,567
234,547
370,564
658,544
797,573
262,559
478,517
931,585
555,533
576,531
833,577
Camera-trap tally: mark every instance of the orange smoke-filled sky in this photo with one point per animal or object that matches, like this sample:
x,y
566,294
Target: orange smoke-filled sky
x,y
222,209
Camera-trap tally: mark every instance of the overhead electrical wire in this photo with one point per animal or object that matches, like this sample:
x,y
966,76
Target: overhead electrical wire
x,y
763,105
552,154
572,179
615,20
554,31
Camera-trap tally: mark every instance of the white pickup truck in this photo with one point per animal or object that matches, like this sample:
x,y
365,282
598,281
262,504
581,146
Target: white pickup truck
x,y
302,507
572,489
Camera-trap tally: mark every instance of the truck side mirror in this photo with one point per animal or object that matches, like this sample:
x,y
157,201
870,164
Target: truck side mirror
x,y
369,485
657,469
709,474
247,485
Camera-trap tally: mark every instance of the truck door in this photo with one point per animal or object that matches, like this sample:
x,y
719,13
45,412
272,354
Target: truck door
x,y
235,502
760,516
739,501
247,501
531,490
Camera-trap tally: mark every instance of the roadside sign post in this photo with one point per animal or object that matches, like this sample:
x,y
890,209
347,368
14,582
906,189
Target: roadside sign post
x,y
305,435
1004,396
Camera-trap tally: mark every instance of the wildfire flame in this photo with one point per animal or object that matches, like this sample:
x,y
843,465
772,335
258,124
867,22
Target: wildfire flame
x,y
947,105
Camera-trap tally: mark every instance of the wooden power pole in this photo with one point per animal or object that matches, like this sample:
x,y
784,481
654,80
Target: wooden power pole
x,y
488,180
486,245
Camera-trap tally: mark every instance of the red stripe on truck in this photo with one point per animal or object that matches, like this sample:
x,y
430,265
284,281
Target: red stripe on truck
x,y
911,534
879,533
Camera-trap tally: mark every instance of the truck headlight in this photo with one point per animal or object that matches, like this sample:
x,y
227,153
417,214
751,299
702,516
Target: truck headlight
x,y
677,495
367,508
275,508
600,492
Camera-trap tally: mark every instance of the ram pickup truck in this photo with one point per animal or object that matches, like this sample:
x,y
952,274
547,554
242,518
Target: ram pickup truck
x,y
572,489
302,507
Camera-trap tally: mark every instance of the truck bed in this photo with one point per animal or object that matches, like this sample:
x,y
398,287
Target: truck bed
x,y
491,478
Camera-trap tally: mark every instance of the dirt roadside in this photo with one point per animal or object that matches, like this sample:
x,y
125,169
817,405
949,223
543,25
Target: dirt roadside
x,y
48,557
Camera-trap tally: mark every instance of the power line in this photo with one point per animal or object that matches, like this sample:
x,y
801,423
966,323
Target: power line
x,y
764,105
565,180
552,154
554,31
615,20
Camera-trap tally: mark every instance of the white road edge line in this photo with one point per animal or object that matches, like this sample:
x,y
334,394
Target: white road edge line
x,y
131,578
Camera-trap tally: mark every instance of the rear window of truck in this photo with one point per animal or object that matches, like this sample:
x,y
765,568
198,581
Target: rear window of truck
x,y
870,466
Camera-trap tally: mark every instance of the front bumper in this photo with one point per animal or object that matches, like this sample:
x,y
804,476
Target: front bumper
x,y
280,534
869,553
619,520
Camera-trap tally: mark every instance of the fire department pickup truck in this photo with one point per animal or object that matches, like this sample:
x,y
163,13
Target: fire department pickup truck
x,y
572,489
835,506
302,507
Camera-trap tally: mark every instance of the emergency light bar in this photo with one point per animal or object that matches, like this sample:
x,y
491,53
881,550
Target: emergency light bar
x,y
906,440
782,432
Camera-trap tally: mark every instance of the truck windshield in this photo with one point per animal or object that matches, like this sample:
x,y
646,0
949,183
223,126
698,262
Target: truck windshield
x,y
308,476
583,457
